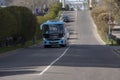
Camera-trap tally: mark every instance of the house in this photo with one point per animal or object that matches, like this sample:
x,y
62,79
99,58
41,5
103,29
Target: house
x,y
2,3
77,4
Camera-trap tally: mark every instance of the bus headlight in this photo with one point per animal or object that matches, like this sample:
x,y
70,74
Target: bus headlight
x,y
62,38
44,39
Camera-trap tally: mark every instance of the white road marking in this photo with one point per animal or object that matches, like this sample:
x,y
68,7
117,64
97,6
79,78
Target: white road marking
x,y
41,73
115,52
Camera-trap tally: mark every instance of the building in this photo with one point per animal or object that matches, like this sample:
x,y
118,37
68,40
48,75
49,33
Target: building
x,y
2,3
77,4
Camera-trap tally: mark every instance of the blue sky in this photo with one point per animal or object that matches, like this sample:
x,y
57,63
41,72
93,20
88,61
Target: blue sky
x,y
74,0
71,0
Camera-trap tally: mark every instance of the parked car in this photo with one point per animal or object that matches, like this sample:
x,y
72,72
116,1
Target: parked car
x,y
65,19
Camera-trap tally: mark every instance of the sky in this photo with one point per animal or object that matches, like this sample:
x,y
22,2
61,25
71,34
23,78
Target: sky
x,y
74,0
71,0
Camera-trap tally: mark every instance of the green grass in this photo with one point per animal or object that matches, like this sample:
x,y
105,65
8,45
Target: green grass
x,y
59,14
28,43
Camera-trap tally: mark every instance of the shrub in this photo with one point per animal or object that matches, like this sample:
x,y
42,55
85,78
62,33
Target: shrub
x,y
67,7
40,20
29,23
14,10
26,21
50,15
8,24
56,8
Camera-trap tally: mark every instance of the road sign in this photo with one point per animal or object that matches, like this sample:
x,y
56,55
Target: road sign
x,y
110,22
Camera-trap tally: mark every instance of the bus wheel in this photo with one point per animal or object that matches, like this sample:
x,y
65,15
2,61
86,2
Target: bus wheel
x,y
64,45
45,46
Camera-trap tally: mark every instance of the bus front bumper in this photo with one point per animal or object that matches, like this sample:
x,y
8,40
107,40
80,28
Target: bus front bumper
x,y
55,42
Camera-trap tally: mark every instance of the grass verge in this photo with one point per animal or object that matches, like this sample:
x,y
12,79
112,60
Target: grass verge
x,y
28,43
59,14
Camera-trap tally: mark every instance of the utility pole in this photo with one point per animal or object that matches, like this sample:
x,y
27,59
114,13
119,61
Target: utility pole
x,y
63,6
33,6
110,19
60,1
90,4
110,22
34,37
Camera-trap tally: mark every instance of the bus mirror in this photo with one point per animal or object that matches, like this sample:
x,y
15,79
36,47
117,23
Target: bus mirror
x,y
41,26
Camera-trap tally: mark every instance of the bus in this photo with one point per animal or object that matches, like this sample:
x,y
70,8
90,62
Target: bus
x,y
54,33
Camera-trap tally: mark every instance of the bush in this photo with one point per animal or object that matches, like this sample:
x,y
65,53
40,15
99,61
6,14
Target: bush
x,y
67,7
29,23
14,10
56,8
40,19
17,25
8,24
50,15
26,21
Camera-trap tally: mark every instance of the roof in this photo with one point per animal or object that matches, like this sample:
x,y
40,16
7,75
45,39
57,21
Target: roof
x,y
116,27
54,22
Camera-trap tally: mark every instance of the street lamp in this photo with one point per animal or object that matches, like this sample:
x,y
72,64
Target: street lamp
x,y
110,19
33,6
34,37
63,6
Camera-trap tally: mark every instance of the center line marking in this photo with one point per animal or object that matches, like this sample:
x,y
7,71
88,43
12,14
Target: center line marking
x,y
41,73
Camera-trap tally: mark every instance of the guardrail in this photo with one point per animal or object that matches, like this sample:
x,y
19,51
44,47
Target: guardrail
x,y
116,34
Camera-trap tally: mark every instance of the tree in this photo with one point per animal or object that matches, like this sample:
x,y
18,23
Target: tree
x,y
8,24
26,21
67,7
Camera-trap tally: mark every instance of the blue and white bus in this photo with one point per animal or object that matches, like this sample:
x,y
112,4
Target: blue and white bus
x,y
54,33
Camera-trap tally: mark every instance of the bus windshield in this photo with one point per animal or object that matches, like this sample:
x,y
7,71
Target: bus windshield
x,y
53,29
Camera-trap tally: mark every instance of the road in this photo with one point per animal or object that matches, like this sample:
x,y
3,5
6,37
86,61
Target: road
x,y
86,57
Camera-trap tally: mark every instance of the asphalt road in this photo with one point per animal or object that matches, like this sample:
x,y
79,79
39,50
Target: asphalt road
x,y
85,58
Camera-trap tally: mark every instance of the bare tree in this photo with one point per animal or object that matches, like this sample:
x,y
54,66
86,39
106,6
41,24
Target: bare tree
x,y
31,3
